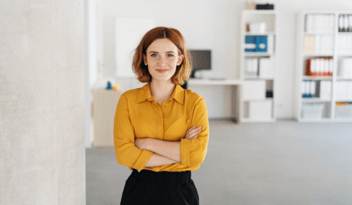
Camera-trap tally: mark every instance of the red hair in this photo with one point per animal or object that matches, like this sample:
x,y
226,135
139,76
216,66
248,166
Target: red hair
x,y
183,71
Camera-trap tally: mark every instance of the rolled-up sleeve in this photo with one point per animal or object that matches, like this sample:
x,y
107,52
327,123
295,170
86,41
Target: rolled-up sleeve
x,y
193,152
127,153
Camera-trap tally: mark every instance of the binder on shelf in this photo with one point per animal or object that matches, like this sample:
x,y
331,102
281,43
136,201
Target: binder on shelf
x,y
251,66
312,89
319,23
256,43
319,67
271,44
342,90
344,44
266,67
325,90
345,23
308,88
263,44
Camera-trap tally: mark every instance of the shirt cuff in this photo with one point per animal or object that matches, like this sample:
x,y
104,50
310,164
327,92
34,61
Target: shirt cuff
x,y
185,148
143,159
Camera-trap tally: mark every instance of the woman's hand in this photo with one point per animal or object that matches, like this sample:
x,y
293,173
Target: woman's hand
x,y
141,143
191,133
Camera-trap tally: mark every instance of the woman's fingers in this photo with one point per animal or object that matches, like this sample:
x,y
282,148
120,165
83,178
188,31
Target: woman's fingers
x,y
192,132
192,135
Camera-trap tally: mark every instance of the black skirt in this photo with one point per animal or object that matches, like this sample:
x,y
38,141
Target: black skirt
x,y
159,188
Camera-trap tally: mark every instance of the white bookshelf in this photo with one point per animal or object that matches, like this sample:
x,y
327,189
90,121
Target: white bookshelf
x,y
247,104
301,68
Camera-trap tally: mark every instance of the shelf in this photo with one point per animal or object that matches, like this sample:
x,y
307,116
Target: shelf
x,y
343,78
344,33
317,55
310,100
344,54
330,109
257,77
344,100
260,11
251,83
259,34
318,33
317,77
258,54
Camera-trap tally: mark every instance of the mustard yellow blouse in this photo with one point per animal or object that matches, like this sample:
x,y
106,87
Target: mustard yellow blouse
x,y
139,115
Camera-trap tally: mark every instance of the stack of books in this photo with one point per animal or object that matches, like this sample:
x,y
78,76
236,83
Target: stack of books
x,y
345,23
318,44
319,23
343,90
319,67
263,67
310,89
344,44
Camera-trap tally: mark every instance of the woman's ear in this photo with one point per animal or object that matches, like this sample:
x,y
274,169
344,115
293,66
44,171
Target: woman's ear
x,y
180,58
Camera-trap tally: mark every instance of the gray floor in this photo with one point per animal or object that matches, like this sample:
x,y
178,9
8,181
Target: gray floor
x,y
252,163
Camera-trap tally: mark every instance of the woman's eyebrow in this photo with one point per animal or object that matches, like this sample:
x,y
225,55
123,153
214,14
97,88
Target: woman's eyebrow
x,y
158,52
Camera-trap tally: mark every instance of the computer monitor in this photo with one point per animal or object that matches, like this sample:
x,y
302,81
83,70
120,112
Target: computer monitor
x,y
200,60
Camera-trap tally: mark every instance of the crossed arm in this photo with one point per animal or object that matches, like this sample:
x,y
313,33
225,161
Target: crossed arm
x,y
165,152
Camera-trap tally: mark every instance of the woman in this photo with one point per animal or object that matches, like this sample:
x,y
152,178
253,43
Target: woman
x,y
161,130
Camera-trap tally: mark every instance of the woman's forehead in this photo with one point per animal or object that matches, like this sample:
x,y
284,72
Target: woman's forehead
x,y
162,45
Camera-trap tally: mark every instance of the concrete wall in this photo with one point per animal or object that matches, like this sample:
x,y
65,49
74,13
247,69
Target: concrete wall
x,y
42,157
214,25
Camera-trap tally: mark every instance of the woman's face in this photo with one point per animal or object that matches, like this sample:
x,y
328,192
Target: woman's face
x,y
162,54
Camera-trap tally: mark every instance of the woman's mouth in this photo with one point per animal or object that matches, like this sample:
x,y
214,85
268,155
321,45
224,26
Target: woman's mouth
x,y
162,70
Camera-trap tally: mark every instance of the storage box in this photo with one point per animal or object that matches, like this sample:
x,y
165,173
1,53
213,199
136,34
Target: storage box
x,y
259,27
260,109
312,111
254,90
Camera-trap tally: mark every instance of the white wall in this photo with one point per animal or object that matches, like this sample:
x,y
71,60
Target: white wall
x,y
215,25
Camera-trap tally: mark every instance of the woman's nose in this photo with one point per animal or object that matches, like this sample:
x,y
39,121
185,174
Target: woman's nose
x,y
162,61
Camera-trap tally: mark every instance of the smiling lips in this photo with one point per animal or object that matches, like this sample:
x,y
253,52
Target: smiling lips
x,y
162,70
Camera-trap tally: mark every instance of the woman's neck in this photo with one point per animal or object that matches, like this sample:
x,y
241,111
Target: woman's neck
x,y
161,89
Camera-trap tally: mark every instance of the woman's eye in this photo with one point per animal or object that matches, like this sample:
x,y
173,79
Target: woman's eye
x,y
170,55
153,54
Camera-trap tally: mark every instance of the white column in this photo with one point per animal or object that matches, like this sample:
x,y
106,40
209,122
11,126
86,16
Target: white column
x,y
42,152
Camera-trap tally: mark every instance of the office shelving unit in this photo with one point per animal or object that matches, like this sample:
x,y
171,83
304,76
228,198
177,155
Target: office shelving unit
x,y
270,17
301,60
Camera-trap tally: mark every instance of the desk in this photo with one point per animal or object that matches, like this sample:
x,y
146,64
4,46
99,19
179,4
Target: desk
x,y
103,113
235,115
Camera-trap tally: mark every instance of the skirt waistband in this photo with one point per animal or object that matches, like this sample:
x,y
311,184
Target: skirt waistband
x,y
163,177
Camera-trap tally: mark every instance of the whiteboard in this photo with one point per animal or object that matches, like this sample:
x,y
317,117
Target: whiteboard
x,y
128,33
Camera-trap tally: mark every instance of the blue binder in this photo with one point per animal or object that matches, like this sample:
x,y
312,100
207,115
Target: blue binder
x,y
256,44
263,44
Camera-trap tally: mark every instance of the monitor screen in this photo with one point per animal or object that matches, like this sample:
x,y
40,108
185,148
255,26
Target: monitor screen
x,y
200,59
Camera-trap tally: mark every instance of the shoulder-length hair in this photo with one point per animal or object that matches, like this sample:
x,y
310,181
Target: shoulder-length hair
x,y
183,71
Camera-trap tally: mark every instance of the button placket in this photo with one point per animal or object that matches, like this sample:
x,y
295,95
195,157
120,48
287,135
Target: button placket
x,y
161,129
